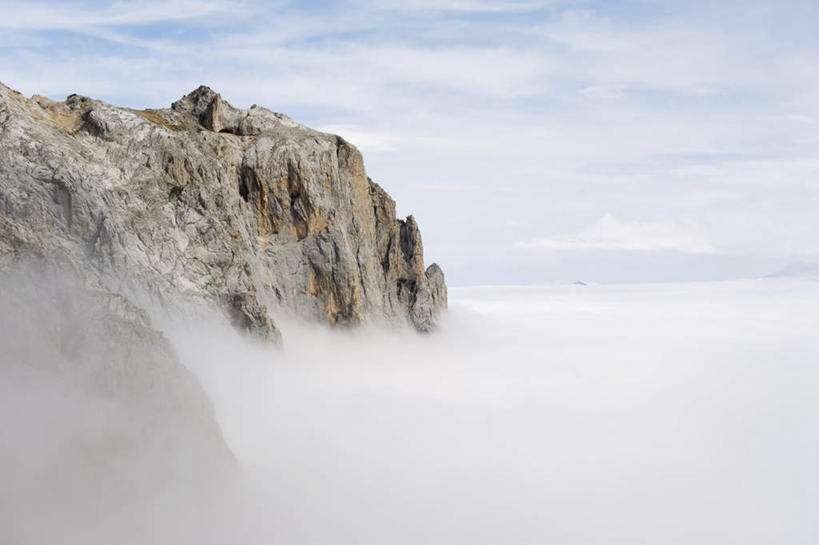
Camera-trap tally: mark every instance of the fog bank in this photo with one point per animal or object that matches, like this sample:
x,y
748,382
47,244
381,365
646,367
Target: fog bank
x,y
672,414
598,414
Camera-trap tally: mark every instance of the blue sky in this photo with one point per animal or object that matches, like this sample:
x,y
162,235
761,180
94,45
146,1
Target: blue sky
x,y
535,141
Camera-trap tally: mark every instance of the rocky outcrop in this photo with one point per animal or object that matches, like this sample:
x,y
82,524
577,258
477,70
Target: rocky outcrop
x,y
204,201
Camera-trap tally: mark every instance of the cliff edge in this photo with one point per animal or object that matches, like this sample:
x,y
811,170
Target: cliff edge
x,y
243,208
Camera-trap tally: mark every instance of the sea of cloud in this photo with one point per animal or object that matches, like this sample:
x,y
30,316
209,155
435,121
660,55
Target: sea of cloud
x,y
663,414
569,414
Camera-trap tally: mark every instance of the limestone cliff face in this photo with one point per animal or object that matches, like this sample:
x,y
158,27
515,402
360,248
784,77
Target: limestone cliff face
x,y
205,201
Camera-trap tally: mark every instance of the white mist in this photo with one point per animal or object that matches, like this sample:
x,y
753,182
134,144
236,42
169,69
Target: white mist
x,y
575,415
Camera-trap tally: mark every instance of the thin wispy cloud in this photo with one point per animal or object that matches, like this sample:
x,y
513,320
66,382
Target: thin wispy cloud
x,y
81,16
551,113
474,6
610,233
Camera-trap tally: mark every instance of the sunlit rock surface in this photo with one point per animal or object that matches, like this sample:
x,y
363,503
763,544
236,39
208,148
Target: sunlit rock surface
x,y
206,202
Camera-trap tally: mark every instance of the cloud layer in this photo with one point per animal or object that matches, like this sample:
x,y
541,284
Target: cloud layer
x,y
609,233
671,414
661,413
497,123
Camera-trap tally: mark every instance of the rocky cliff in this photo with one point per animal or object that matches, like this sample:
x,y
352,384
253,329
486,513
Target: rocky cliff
x,y
204,201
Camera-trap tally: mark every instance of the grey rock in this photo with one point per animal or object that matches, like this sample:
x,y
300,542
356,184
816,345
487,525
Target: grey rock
x,y
100,419
207,202
97,345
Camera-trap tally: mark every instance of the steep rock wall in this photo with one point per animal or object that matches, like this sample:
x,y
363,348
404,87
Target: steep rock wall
x,y
203,201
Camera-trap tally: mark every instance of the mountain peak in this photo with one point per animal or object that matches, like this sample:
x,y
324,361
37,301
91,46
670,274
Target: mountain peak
x,y
147,198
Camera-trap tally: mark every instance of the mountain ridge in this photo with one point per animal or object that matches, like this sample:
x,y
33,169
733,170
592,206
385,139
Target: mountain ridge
x,y
245,209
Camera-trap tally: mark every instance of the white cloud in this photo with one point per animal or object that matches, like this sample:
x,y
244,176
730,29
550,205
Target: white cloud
x,y
70,16
494,72
364,139
667,55
610,233
480,6
703,125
